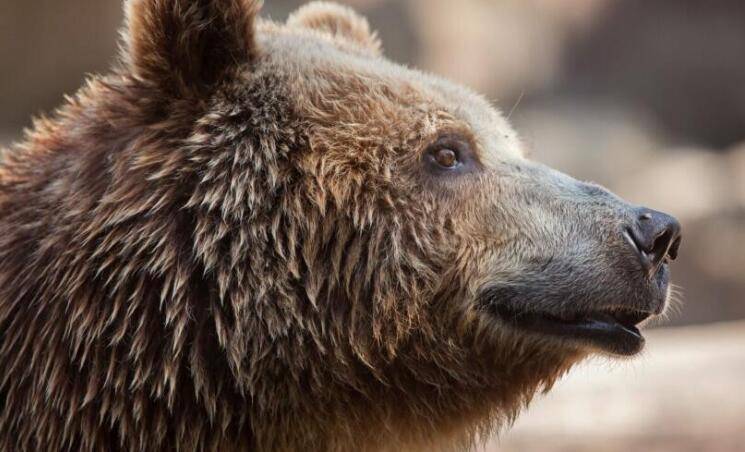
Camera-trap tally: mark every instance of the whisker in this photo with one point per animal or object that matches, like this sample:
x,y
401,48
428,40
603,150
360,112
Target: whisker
x,y
517,103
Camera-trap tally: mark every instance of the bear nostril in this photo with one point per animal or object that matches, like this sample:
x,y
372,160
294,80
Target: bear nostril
x,y
661,244
673,251
655,237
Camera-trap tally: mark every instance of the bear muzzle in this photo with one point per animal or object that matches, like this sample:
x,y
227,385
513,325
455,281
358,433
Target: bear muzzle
x,y
593,288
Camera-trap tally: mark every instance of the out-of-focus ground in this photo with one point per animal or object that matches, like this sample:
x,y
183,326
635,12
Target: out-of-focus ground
x,y
644,97
684,394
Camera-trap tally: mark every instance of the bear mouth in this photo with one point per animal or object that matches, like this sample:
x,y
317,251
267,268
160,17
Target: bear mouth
x,y
613,330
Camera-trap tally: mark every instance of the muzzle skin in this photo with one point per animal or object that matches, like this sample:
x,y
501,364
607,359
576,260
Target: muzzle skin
x,y
581,264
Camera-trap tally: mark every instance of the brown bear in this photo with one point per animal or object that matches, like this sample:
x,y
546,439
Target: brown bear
x,y
265,236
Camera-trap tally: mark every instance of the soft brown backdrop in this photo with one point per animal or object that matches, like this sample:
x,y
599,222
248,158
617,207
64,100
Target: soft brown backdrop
x,y
645,97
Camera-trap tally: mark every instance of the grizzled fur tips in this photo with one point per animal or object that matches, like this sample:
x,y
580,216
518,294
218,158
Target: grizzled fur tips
x,y
240,239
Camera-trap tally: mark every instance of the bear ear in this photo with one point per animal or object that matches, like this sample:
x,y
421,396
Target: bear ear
x,y
336,20
187,45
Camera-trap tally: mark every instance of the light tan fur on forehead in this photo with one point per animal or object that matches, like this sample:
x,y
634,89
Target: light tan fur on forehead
x,y
338,21
354,83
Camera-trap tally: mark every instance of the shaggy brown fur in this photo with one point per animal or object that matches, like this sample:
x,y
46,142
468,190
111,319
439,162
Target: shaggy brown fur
x,y
229,244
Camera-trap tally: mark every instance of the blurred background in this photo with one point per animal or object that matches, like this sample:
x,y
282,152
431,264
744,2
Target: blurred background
x,y
644,97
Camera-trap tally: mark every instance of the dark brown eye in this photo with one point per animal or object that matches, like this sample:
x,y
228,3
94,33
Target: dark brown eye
x,y
446,158
449,156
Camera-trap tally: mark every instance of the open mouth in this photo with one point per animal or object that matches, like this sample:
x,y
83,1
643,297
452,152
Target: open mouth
x,y
612,330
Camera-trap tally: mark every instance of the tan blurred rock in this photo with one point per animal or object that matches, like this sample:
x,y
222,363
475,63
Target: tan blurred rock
x,y
590,141
736,165
689,183
623,150
505,47
500,47
720,249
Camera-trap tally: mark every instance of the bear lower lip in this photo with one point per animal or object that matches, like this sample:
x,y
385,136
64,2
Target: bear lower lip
x,y
613,331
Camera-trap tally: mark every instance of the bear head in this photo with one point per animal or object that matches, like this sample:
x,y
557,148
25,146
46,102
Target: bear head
x,y
275,237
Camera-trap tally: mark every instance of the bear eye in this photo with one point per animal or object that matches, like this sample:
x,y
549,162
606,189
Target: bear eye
x,y
449,154
446,158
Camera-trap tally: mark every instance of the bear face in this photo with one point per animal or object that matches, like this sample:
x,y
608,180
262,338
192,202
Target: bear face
x,y
514,238
265,236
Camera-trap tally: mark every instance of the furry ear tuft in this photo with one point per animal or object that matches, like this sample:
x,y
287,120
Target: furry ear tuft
x,y
187,45
336,20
